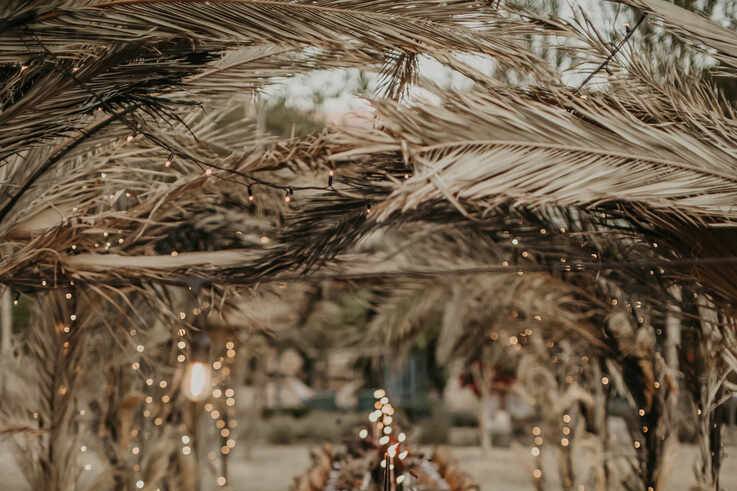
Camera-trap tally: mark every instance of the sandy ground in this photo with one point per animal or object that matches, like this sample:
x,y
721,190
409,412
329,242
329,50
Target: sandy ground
x,y
271,468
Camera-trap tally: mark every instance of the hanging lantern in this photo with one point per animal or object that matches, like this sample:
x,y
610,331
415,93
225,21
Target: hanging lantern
x,y
197,380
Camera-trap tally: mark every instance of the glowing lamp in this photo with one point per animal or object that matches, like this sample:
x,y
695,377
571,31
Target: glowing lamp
x,y
197,381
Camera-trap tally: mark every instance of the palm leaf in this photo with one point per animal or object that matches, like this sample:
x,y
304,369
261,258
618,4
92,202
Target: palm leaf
x,y
493,147
694,28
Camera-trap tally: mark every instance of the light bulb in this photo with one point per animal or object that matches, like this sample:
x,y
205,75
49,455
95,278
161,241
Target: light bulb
x,y
197,381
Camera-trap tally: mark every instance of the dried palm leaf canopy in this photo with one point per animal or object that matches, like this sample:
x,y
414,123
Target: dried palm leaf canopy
x,y
564,215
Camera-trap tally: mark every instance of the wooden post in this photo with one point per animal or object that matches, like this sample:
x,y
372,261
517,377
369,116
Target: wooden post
x,y
673,329
599,416
673,416
189,474
6,321
386,486
483,382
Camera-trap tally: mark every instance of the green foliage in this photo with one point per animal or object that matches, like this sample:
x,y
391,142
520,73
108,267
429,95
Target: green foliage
x,y
21,313
316,426
280,430
286,121
436,429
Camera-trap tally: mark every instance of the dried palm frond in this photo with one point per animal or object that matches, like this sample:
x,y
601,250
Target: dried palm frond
x,y
50,365
412,26
543,155
73,59
252,67
694,28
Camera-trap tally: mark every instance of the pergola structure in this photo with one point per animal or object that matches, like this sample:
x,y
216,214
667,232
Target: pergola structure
x,y
597,219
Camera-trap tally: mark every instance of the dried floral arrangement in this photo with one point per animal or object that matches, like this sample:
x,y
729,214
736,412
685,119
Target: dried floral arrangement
x,y
382,458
